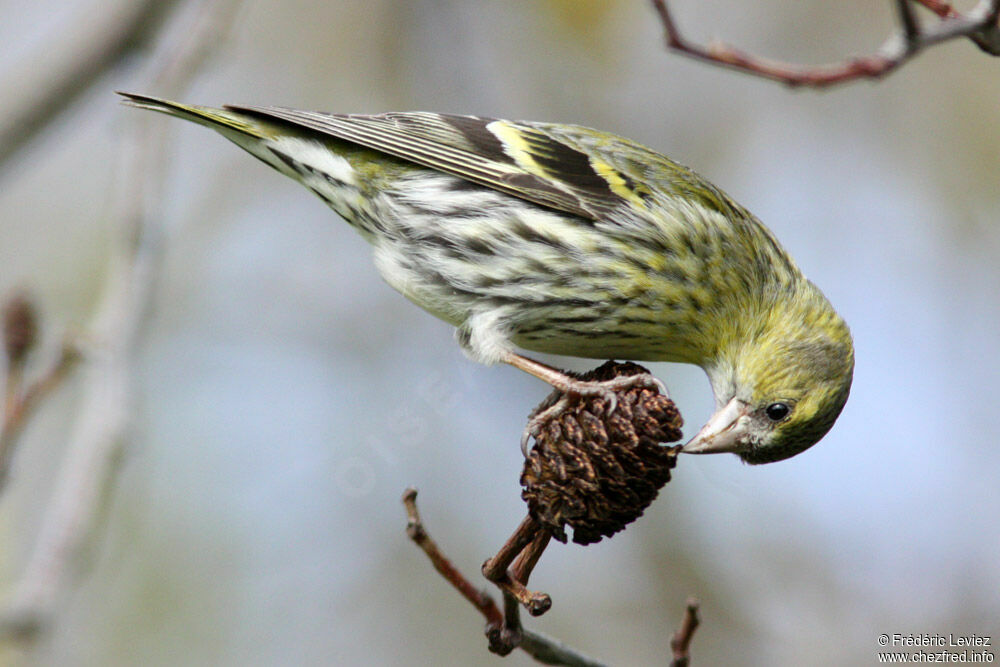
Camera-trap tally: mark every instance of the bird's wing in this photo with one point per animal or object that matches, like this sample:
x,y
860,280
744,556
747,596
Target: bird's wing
x,y
521,159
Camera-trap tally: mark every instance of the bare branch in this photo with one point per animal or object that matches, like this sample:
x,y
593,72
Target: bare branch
x,y
942,9
415,529
542,648
680,643
50,81
526,546
20,336
106,405
549,651
979,25
911,28
21,405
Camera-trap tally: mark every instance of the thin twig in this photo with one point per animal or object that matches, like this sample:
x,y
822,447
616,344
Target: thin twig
x,y
510,635
106,405
415,529
544,649
988,40
495,568
979,24
528,536
911,27
680,643
942,9
21,405
519,571
549,651
528,558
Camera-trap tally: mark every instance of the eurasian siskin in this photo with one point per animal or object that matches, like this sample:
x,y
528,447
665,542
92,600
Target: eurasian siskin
x,y
566,240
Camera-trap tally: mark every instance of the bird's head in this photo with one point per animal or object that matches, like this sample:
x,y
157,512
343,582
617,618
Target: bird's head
x,y
779,390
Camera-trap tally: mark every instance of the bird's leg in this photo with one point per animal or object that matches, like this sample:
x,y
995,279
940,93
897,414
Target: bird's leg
x,y
572,388
568,384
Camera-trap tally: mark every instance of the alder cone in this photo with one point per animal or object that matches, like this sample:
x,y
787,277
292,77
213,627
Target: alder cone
x,y
598,472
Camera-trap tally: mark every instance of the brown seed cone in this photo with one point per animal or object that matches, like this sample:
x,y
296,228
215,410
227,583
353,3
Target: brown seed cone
x,y
598,472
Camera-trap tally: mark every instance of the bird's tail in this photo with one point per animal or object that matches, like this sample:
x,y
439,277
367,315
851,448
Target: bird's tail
x,y
217,119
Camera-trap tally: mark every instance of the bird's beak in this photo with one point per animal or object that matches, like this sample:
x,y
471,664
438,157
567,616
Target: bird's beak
x,y
722,433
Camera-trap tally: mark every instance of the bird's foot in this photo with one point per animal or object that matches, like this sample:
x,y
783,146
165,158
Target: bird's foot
x,y
572,390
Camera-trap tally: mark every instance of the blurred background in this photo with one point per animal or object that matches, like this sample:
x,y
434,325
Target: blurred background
x,y
282,396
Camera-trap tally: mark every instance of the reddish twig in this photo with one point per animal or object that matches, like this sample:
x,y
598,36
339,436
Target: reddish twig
x,y
21,404
528,558
503,630
495,569
979,25
526,546
415,529
944,10
20,332
680,643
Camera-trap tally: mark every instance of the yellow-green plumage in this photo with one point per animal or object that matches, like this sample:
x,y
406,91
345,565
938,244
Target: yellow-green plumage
x,y
566,240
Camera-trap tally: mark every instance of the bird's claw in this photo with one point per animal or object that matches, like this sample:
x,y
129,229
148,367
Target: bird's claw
x,y
606,389
525,437
537,419
612,400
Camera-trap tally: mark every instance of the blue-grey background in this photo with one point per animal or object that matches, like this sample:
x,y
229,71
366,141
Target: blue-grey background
x,y
286,396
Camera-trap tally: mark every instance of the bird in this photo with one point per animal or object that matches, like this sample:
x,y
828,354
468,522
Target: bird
x,y
560,239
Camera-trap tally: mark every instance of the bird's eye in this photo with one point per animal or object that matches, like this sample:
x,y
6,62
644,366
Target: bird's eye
x,y
777,411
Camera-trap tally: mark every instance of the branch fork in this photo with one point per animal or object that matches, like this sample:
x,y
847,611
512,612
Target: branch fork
x,y
979,25
589,469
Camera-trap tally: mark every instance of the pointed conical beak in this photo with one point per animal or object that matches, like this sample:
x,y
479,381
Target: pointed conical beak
x,y
722,433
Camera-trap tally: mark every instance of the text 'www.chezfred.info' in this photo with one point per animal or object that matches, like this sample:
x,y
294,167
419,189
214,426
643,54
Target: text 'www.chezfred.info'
x,y
922,648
